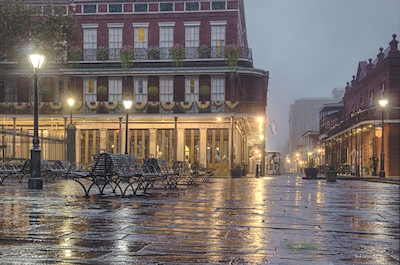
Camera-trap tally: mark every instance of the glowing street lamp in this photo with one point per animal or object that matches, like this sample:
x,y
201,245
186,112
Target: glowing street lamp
x,y
37,61
383,103
71,102
127,105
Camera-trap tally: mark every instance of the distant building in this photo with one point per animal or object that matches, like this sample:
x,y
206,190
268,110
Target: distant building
x,y
304,116
309,149
352,141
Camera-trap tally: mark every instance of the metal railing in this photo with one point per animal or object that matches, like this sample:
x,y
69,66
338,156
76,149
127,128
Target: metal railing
x,y
372,114
99,107
17,145
164,54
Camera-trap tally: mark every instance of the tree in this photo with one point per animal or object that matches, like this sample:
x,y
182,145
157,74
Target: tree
x,y
22,26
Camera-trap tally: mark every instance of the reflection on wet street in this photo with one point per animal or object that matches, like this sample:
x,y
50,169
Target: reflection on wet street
x,y
272,220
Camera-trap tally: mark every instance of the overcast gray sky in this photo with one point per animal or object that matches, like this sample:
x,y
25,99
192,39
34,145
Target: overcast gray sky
x,y
312,46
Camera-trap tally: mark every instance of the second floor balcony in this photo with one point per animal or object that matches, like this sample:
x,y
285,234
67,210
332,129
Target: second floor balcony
x,y
150,107
156,53
373,115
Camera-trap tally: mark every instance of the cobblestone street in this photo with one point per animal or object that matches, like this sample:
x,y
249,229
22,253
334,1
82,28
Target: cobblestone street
x,y
271,220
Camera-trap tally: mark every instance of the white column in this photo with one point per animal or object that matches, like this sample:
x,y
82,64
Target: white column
x,y
78,146
153,142
181,145
103,139
203,146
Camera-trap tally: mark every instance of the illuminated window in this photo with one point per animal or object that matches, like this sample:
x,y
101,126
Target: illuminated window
x,y
192,89
89,90
141,35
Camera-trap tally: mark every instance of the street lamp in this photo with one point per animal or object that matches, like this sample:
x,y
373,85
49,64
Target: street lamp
x,y
37,61
71,133
127,105
71,102
383,103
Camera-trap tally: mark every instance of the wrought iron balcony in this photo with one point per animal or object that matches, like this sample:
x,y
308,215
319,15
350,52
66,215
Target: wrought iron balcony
x,y
373,115
151,107
202,52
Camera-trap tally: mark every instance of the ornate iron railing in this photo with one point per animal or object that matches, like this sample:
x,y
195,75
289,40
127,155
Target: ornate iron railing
x,y
58,108
373,114
164,54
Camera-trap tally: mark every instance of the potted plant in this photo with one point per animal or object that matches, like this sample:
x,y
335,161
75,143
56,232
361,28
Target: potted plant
x,y
153,93
75,55
204,51
153,90
231,55
102,53
47,90
204,90
331,174
101,90
311,171
236,170
127,55
153,53
177,53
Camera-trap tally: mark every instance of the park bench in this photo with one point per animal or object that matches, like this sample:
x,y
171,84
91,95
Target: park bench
x,y
167,175
203,172
185,171
16,169
119,171
20,169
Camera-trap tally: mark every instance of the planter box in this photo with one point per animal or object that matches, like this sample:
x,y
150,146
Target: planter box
x,y
331,176
236,173
311,172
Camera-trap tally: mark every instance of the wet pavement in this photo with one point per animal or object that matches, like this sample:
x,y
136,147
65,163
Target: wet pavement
x,y
270,220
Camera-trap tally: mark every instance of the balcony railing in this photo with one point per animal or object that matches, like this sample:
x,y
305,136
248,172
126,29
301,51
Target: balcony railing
x,y
153,107
163,54
373,114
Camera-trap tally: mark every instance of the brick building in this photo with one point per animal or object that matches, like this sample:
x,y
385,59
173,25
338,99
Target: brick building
x,y
353,140
196,107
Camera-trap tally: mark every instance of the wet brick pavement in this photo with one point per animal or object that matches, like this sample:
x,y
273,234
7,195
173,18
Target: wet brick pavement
x,y
270,220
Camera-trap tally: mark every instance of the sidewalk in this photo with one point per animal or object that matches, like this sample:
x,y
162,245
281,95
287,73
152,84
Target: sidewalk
x,y
280,220
387,179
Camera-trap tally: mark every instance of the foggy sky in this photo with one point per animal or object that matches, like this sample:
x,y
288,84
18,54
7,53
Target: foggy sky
x,y
312,46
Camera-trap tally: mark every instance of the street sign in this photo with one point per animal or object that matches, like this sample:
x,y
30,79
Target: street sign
x,y
3,146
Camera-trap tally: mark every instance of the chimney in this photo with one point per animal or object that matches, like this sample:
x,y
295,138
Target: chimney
x,y
393,46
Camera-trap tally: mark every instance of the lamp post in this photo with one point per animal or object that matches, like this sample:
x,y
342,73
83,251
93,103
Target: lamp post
x,y
127,105
71,133
71,102
37,61
383,103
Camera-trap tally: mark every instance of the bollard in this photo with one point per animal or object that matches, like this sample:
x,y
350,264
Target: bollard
x,y
257,174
